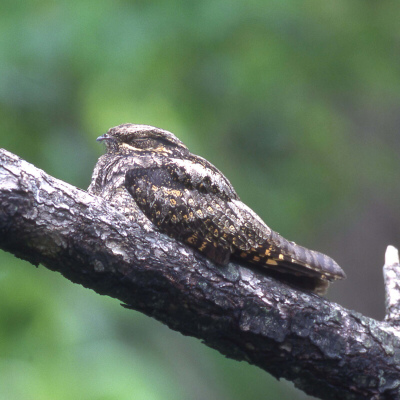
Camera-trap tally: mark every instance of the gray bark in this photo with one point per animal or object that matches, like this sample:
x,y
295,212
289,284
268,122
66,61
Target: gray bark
x,y
326,350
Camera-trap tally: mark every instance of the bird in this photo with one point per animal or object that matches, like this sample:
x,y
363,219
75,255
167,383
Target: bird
x,y
149,171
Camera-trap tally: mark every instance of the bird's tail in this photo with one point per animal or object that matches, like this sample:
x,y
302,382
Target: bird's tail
x,y
303,267
318,264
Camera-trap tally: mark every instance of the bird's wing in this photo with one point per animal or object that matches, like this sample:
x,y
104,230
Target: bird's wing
x,y
193,212
198,173
199,213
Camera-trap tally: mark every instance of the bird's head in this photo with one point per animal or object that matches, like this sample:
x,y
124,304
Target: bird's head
x,y
139,137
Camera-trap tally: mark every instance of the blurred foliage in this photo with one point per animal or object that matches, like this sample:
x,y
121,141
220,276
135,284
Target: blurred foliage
x,y
298,104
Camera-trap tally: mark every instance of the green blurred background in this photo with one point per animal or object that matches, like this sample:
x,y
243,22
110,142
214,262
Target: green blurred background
x,y
296,102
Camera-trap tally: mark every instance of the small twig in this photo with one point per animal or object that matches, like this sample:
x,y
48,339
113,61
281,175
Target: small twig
x,y
391,275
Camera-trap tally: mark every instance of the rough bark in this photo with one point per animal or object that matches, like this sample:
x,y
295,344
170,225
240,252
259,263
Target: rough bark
x,y
326,350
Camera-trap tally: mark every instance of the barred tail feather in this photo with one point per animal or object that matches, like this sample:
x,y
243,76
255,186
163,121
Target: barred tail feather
x,y
314,261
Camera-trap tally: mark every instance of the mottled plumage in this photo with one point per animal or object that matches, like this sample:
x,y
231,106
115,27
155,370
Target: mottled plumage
x,y
188,198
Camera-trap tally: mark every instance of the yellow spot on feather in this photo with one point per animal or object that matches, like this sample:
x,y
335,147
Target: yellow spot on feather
x,y
203,246
192,239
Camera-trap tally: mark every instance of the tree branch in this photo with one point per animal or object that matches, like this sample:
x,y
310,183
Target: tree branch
x,y
326,350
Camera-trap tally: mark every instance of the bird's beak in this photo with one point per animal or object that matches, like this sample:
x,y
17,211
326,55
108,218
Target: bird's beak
x,y
102,137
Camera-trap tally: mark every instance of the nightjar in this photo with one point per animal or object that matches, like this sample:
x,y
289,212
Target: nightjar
x,y
149,170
